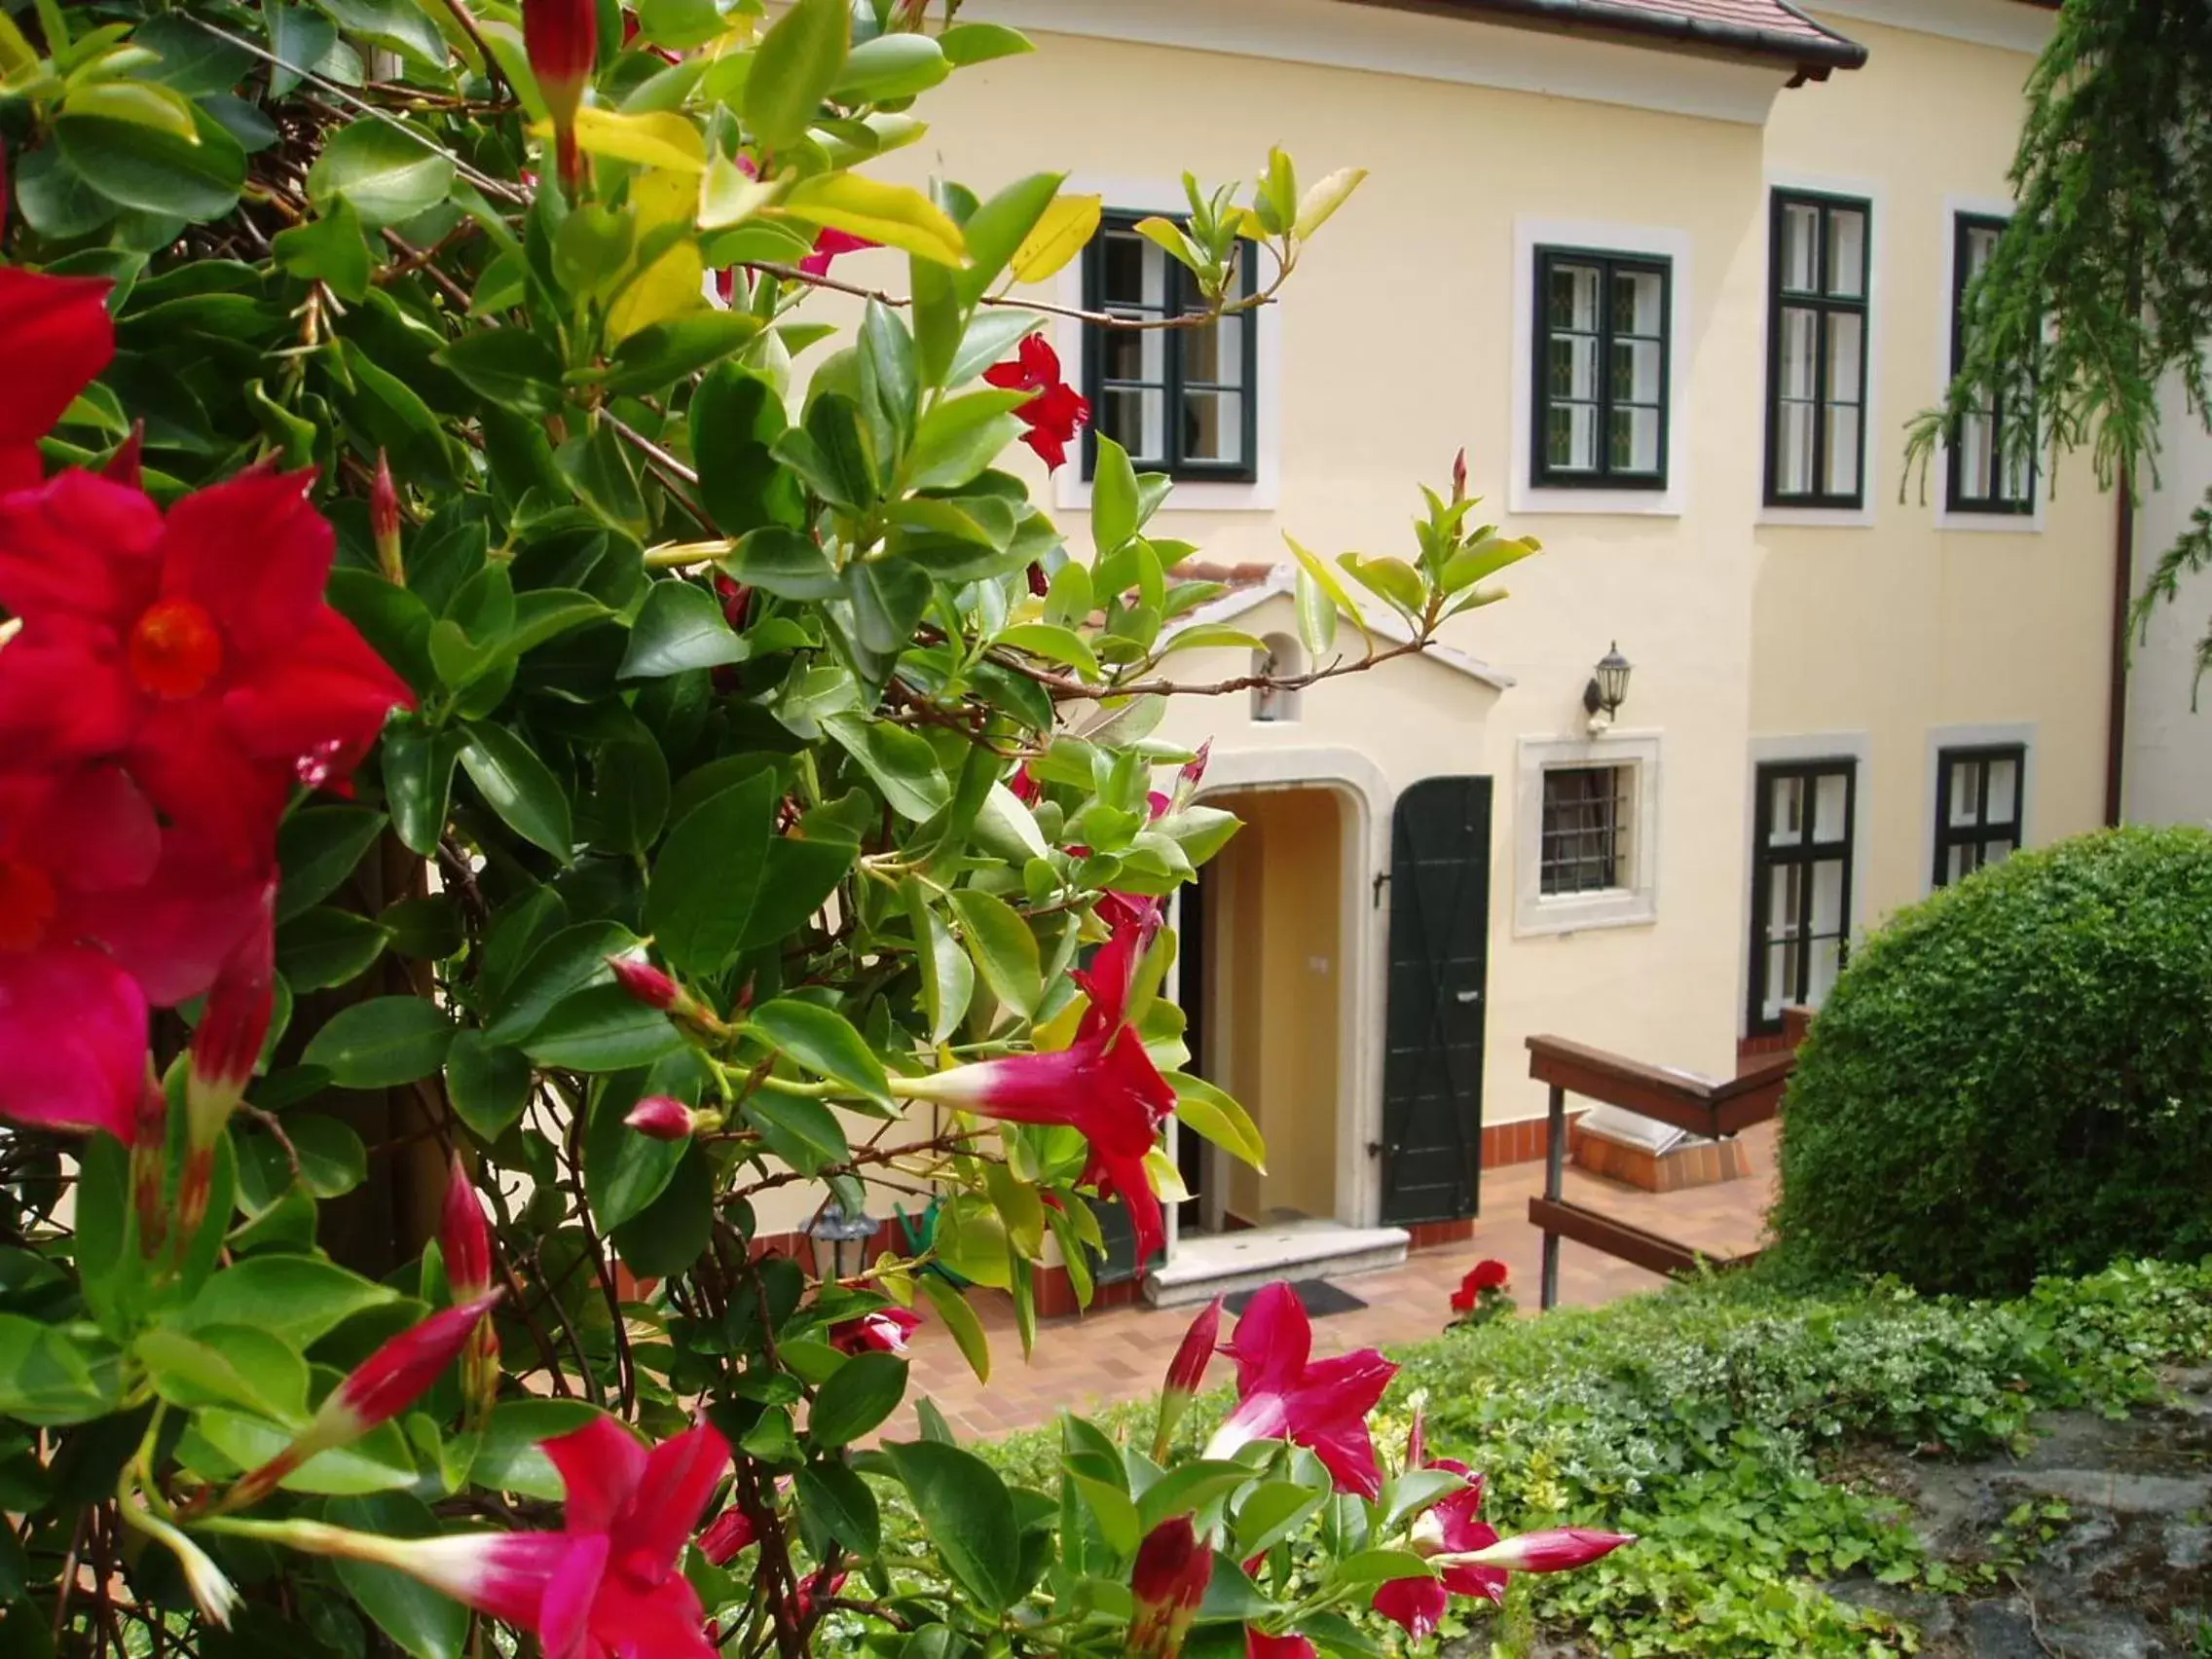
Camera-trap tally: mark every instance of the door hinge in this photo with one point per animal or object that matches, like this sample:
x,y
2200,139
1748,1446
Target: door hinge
x,y
1382,879
1376,1149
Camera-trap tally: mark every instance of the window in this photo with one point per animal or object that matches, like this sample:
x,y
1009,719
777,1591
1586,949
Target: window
x,y
1585,838
1180,400
1992,458
1801,848
1600,370
1978,808
1816,369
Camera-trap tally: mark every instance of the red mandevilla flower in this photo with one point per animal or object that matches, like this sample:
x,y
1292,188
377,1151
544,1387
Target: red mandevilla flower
x,y
55,337
1259,1644
1284,1394
887,1330
198,648
1055,413
828,246
562,38
1173,1567
731,1534
1452,1523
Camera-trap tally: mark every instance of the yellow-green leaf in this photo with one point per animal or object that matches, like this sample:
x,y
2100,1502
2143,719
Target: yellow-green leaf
x,y
1326,580
669,287
960,1319
726,197
1064,230
1167,236
1210,637
659,140
888,213
1201,1107
1324,196
139,102
1054,643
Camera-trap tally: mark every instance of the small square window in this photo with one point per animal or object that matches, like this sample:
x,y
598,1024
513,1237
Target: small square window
x,y
1603,370
1586,834
1180,399
1993,446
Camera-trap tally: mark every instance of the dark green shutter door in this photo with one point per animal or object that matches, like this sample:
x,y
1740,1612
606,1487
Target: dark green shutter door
x,y
1432,1068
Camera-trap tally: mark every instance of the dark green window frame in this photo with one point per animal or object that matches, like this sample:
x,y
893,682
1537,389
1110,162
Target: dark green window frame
x,y
1978,836
1826,308
2007,408
1180,295
1804,853
1606,401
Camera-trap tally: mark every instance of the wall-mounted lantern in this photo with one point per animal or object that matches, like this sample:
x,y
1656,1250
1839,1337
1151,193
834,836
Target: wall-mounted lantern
x,y
1608,689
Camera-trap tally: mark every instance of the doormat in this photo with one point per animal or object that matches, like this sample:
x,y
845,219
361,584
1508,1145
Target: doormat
x,y
1320,1296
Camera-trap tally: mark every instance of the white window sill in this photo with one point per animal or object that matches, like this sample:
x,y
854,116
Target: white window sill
x,y
1615,907
1073,491
1991,524
1819,518
1529,499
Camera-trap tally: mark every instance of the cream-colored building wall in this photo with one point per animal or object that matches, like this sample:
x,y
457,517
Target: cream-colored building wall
x,y
2169,713
1896,629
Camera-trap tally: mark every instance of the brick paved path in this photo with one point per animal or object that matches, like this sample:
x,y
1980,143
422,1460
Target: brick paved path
x,y
1082,1363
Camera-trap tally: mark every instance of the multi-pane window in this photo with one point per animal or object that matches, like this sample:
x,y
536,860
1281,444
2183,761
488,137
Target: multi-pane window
x,y
1602,370
1993,459
1978,808
1584,843
1180,400
1800,885
1816,350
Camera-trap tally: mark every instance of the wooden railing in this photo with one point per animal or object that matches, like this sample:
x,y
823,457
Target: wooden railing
x,y
1701,1105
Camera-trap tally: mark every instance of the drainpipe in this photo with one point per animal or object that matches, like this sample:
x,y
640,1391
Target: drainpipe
x,y
2123,594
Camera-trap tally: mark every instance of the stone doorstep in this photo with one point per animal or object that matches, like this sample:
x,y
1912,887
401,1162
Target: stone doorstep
x,y
1225,1263
1692,1164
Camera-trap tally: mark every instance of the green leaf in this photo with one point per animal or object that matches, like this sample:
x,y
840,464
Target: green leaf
x,y
865,1392
967,1515
1052,643
735,417
488,1084
961,437
1207,1111
377,1461
299,40
386,175
1316,616
797,63
417,782
155,171
44,1376
901,763
968,1333
1392,581
831,1494
319,848
331,249
680,629
726,881
799,1130
949,978
1188,1486
625,1172
824,1041
889,68
604,1029
629,804
989,338
661,354
964,44
402,24
1002,946
567,962
1325,579
238,1365
1272,1513
783,562
426,1623
1114,1512
323,948
676,1230
1381,1566
510,367
511,1456
381,1043
1114,514
517,785
1000,227
298,1300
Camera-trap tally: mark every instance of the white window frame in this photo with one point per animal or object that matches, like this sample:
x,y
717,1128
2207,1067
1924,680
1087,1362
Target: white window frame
x,y
1874,450
1940,463
1997,736
1636,904
1649,241
1264,493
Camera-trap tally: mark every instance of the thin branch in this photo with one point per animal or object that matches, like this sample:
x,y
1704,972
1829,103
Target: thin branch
x,y
466,19
1066,690
1010,302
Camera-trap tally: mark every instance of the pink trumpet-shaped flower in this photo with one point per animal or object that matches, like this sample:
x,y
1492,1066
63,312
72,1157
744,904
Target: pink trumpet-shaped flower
x,y
1284,1394
663,1117
1259,1644
1453,1524
1186,1374
1558,1549
828,246
1173,1567
887,1330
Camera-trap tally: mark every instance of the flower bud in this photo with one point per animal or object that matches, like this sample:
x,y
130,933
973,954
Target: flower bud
x,y
653,987
663,1117
1186,1374
1040,584
562,38
1459,477
384,523
463,1238
227,1043
737,599
1558,1549
126,465
731,1536
1192,775
1173,1567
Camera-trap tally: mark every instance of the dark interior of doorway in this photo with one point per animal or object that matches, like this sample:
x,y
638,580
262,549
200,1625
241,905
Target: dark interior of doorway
x,y
1191,980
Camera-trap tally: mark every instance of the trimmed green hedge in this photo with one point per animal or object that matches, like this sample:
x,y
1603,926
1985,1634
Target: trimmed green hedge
x,y
2015,1078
